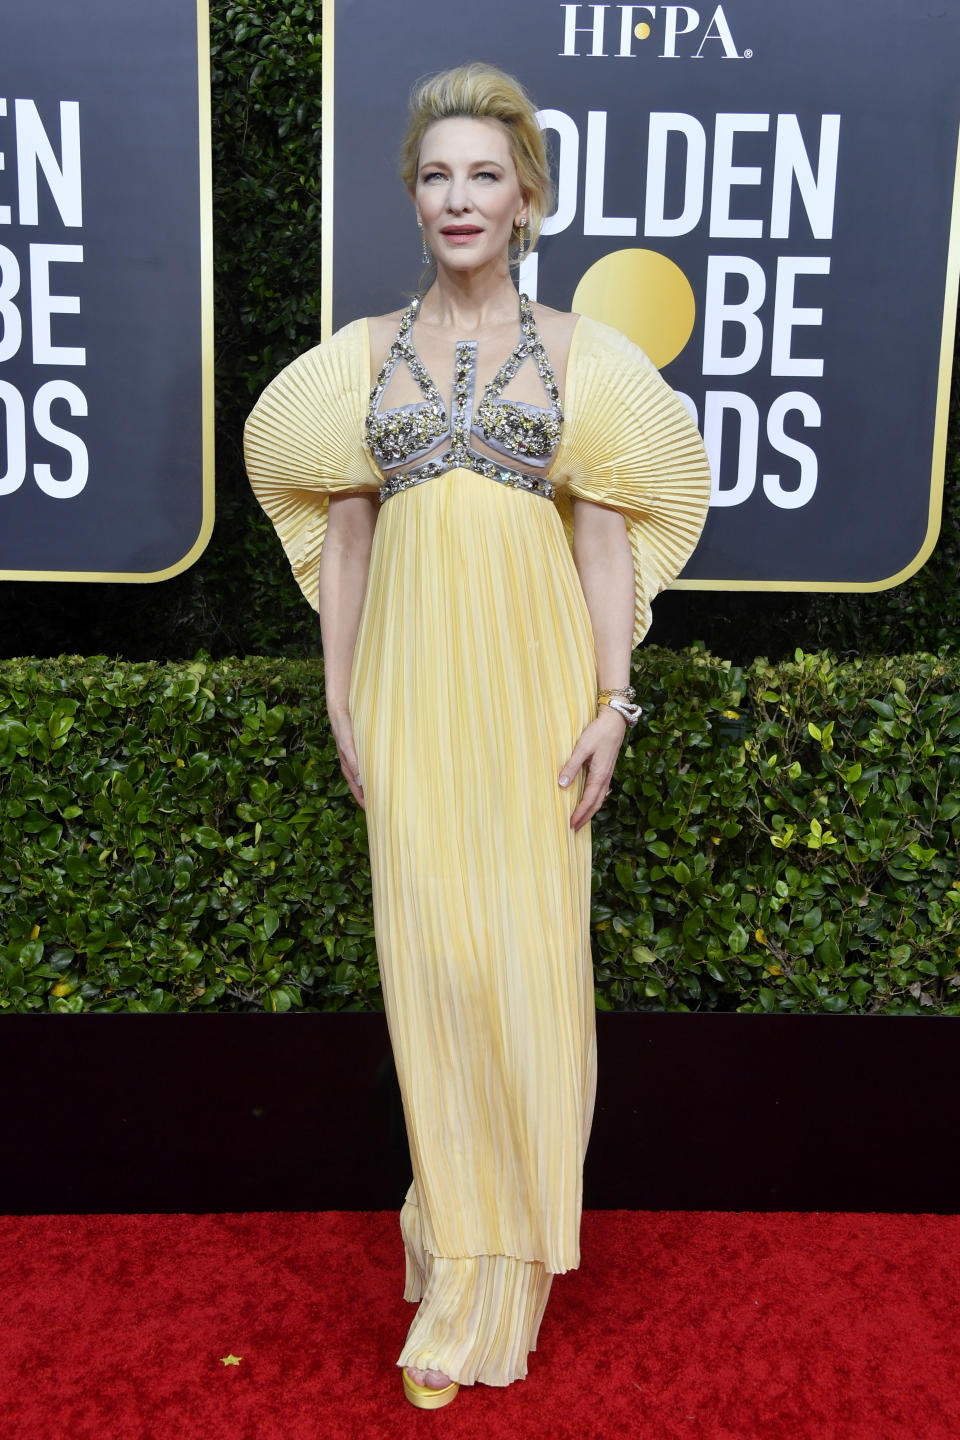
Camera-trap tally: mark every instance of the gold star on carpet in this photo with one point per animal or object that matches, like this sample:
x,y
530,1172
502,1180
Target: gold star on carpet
x,y
231,1359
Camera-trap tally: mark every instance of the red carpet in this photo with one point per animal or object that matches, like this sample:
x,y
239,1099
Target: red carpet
x,y
709,1326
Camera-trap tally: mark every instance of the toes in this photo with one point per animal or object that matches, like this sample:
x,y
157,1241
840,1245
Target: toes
x,y
433,1379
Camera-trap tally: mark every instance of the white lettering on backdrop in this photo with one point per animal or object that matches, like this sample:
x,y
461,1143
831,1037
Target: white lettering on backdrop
x,y
754,309
32,282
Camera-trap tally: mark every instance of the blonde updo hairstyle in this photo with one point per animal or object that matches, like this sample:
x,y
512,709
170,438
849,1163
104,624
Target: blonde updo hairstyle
x,y
482,92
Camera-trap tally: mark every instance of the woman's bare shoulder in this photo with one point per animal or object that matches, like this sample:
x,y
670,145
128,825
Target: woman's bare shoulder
x,y
556,329
383,327
382,330
556,326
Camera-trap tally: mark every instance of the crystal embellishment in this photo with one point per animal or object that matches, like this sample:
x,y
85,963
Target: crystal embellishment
x,y
411,430
515,429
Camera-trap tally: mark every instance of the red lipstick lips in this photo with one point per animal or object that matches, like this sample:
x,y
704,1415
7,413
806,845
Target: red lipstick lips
x,y
460,234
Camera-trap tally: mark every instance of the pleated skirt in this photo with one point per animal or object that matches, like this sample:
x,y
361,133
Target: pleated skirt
x,y
473,676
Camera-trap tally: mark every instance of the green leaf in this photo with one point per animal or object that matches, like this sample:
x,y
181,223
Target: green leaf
x,y
643,956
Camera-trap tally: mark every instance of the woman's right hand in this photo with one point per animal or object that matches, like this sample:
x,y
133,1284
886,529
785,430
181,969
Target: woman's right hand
x,y
347,752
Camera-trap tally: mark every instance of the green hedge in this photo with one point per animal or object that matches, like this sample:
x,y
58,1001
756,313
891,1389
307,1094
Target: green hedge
x,y
178,837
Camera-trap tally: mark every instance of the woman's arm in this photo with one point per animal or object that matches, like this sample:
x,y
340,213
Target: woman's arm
x,y
344,564
604,562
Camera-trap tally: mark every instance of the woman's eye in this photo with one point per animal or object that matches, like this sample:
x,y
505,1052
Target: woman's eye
x,y
432,175
486,175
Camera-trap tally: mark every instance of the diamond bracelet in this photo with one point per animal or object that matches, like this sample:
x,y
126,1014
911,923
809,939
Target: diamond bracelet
x,y
630,713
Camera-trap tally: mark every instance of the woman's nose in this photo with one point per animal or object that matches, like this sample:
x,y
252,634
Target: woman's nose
x,y
457,196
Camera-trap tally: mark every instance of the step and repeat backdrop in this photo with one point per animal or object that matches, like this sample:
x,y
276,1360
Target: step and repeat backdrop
x,y
106,405
761,195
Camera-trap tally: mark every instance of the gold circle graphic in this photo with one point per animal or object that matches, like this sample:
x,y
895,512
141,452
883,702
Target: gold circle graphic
x,y
642,31
644,295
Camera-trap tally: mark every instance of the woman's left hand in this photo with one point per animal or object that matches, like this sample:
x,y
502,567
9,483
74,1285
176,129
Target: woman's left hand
x,y
597,748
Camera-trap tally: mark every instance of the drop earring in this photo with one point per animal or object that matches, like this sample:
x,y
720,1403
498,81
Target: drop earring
x,y
427,257
521,226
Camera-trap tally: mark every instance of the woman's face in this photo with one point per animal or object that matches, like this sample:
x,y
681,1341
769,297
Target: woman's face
x,y
467,193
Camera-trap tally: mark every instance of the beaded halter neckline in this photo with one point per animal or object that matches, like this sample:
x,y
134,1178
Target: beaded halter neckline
x,y
514,428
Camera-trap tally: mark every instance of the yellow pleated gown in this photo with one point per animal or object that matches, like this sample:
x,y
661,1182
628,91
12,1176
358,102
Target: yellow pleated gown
x,y
473,677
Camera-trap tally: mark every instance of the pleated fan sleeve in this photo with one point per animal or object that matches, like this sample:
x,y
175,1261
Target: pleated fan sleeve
x,y
630,443
303,441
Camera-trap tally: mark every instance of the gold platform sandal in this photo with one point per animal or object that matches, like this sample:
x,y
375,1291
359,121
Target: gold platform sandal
x,y
426,1398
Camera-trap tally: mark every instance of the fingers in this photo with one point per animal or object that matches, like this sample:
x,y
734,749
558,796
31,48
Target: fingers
x,y
349,764
594,794
598,751
597,786
348,758
356,790
571,768
354,782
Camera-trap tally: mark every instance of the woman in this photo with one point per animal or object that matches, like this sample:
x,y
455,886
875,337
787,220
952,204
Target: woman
x,y
481,496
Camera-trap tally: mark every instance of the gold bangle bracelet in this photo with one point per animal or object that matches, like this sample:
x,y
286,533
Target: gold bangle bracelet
x,y
631,713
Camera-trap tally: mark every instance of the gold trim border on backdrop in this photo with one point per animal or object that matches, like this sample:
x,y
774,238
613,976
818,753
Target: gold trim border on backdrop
x,y
947,337
206,350
326,171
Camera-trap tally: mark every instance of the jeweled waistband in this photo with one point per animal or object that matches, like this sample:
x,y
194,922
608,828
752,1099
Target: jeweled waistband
x,y
516,479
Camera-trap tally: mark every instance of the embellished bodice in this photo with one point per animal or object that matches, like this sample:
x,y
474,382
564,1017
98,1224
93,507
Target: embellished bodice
x,y
425,438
